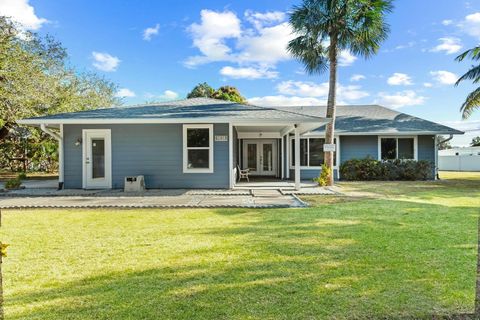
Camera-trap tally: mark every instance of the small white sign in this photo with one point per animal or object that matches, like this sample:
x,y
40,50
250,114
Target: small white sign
x,y
221,138
329,148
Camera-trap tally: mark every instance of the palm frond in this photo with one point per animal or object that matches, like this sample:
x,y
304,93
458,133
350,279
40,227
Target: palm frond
x,y
473,54
472,74
471,104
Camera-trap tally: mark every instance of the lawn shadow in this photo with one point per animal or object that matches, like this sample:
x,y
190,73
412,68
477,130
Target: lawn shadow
x,y
344,261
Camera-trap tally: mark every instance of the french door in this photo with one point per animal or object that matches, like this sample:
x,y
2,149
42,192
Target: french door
x,y
97,159
260,156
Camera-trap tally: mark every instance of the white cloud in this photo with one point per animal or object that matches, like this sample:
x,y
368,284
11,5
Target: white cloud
x,y
105,62
21,12
209,36
259,19
346,58
320,90
444,77
267,46
427,84
169,95
357,77
400,99
399,79
281,100
449,45
471,24
447,22
247,73
125,93
150,32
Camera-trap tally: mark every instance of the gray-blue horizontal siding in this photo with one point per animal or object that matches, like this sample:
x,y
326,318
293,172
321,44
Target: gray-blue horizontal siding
x,y
309,174
426,150
152,150
358,147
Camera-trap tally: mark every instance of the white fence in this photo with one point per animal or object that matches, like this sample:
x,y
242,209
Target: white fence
x,y
459,163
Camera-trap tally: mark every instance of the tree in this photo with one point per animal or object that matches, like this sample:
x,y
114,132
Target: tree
x,y
472,102
229,93
201,90
36,79
324,29
475,142
444,143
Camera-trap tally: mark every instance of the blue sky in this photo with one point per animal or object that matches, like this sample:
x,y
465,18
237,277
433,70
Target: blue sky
x,y
159,50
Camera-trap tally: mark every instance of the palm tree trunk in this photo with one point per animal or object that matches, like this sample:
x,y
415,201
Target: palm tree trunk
x,y
331,105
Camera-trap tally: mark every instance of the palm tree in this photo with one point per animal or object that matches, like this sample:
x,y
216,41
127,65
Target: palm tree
x,y
325,28
473,99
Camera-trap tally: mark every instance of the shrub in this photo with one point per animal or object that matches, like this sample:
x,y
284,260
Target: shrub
x,y
13,183
322,180
22,176
371,169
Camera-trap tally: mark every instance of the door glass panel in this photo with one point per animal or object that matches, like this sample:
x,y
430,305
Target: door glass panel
x,y
267,157
252,156
98,158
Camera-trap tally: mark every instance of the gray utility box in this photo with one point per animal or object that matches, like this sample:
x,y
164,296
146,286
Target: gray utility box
x,y
134,184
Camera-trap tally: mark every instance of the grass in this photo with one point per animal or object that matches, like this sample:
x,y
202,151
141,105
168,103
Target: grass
x,y
399,250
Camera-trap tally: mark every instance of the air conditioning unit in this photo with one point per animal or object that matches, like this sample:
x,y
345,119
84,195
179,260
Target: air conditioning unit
x,y
134,184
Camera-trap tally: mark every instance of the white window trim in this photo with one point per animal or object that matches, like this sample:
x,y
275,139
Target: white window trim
x,y
210,148
291,152
415,146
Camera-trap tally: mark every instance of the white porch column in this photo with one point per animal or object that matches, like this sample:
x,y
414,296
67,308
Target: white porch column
x,y
231,176
297,158
282,159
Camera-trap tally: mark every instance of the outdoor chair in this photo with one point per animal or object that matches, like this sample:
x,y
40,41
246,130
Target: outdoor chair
x,y
243,173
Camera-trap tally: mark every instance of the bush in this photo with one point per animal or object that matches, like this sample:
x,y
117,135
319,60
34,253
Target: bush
x,y
22,176
371,169
13,183
322,180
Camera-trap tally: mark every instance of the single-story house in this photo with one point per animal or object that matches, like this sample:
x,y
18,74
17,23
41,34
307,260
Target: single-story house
x,y
199,143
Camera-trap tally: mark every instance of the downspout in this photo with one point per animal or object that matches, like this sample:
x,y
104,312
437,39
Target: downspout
x,y
59,138
436,153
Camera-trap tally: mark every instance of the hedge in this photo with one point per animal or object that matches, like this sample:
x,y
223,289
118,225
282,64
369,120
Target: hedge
x,y
371,169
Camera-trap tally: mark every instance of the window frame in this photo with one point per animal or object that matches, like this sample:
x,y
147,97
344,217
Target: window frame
x,y
415,146
185,148
291,152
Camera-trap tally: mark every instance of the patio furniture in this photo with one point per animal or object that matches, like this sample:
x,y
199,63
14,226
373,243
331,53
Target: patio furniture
x,y
243,173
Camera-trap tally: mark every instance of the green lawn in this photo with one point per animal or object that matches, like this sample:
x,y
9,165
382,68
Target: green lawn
x,y
391,250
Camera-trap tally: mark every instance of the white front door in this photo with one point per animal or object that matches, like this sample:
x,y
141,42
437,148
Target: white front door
x,y
97,159
260,156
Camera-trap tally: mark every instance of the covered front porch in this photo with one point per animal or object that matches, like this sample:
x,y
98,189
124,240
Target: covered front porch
x,y
264,150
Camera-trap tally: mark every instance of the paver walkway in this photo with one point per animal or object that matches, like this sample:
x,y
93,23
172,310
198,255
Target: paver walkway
x,y
185,200
43,194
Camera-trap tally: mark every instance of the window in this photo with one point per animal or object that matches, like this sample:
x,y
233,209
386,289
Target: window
x,y
392,148
198,148
311,152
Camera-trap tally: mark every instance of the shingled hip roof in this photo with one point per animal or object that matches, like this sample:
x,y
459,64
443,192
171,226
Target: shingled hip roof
x,y
353,120
188,110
